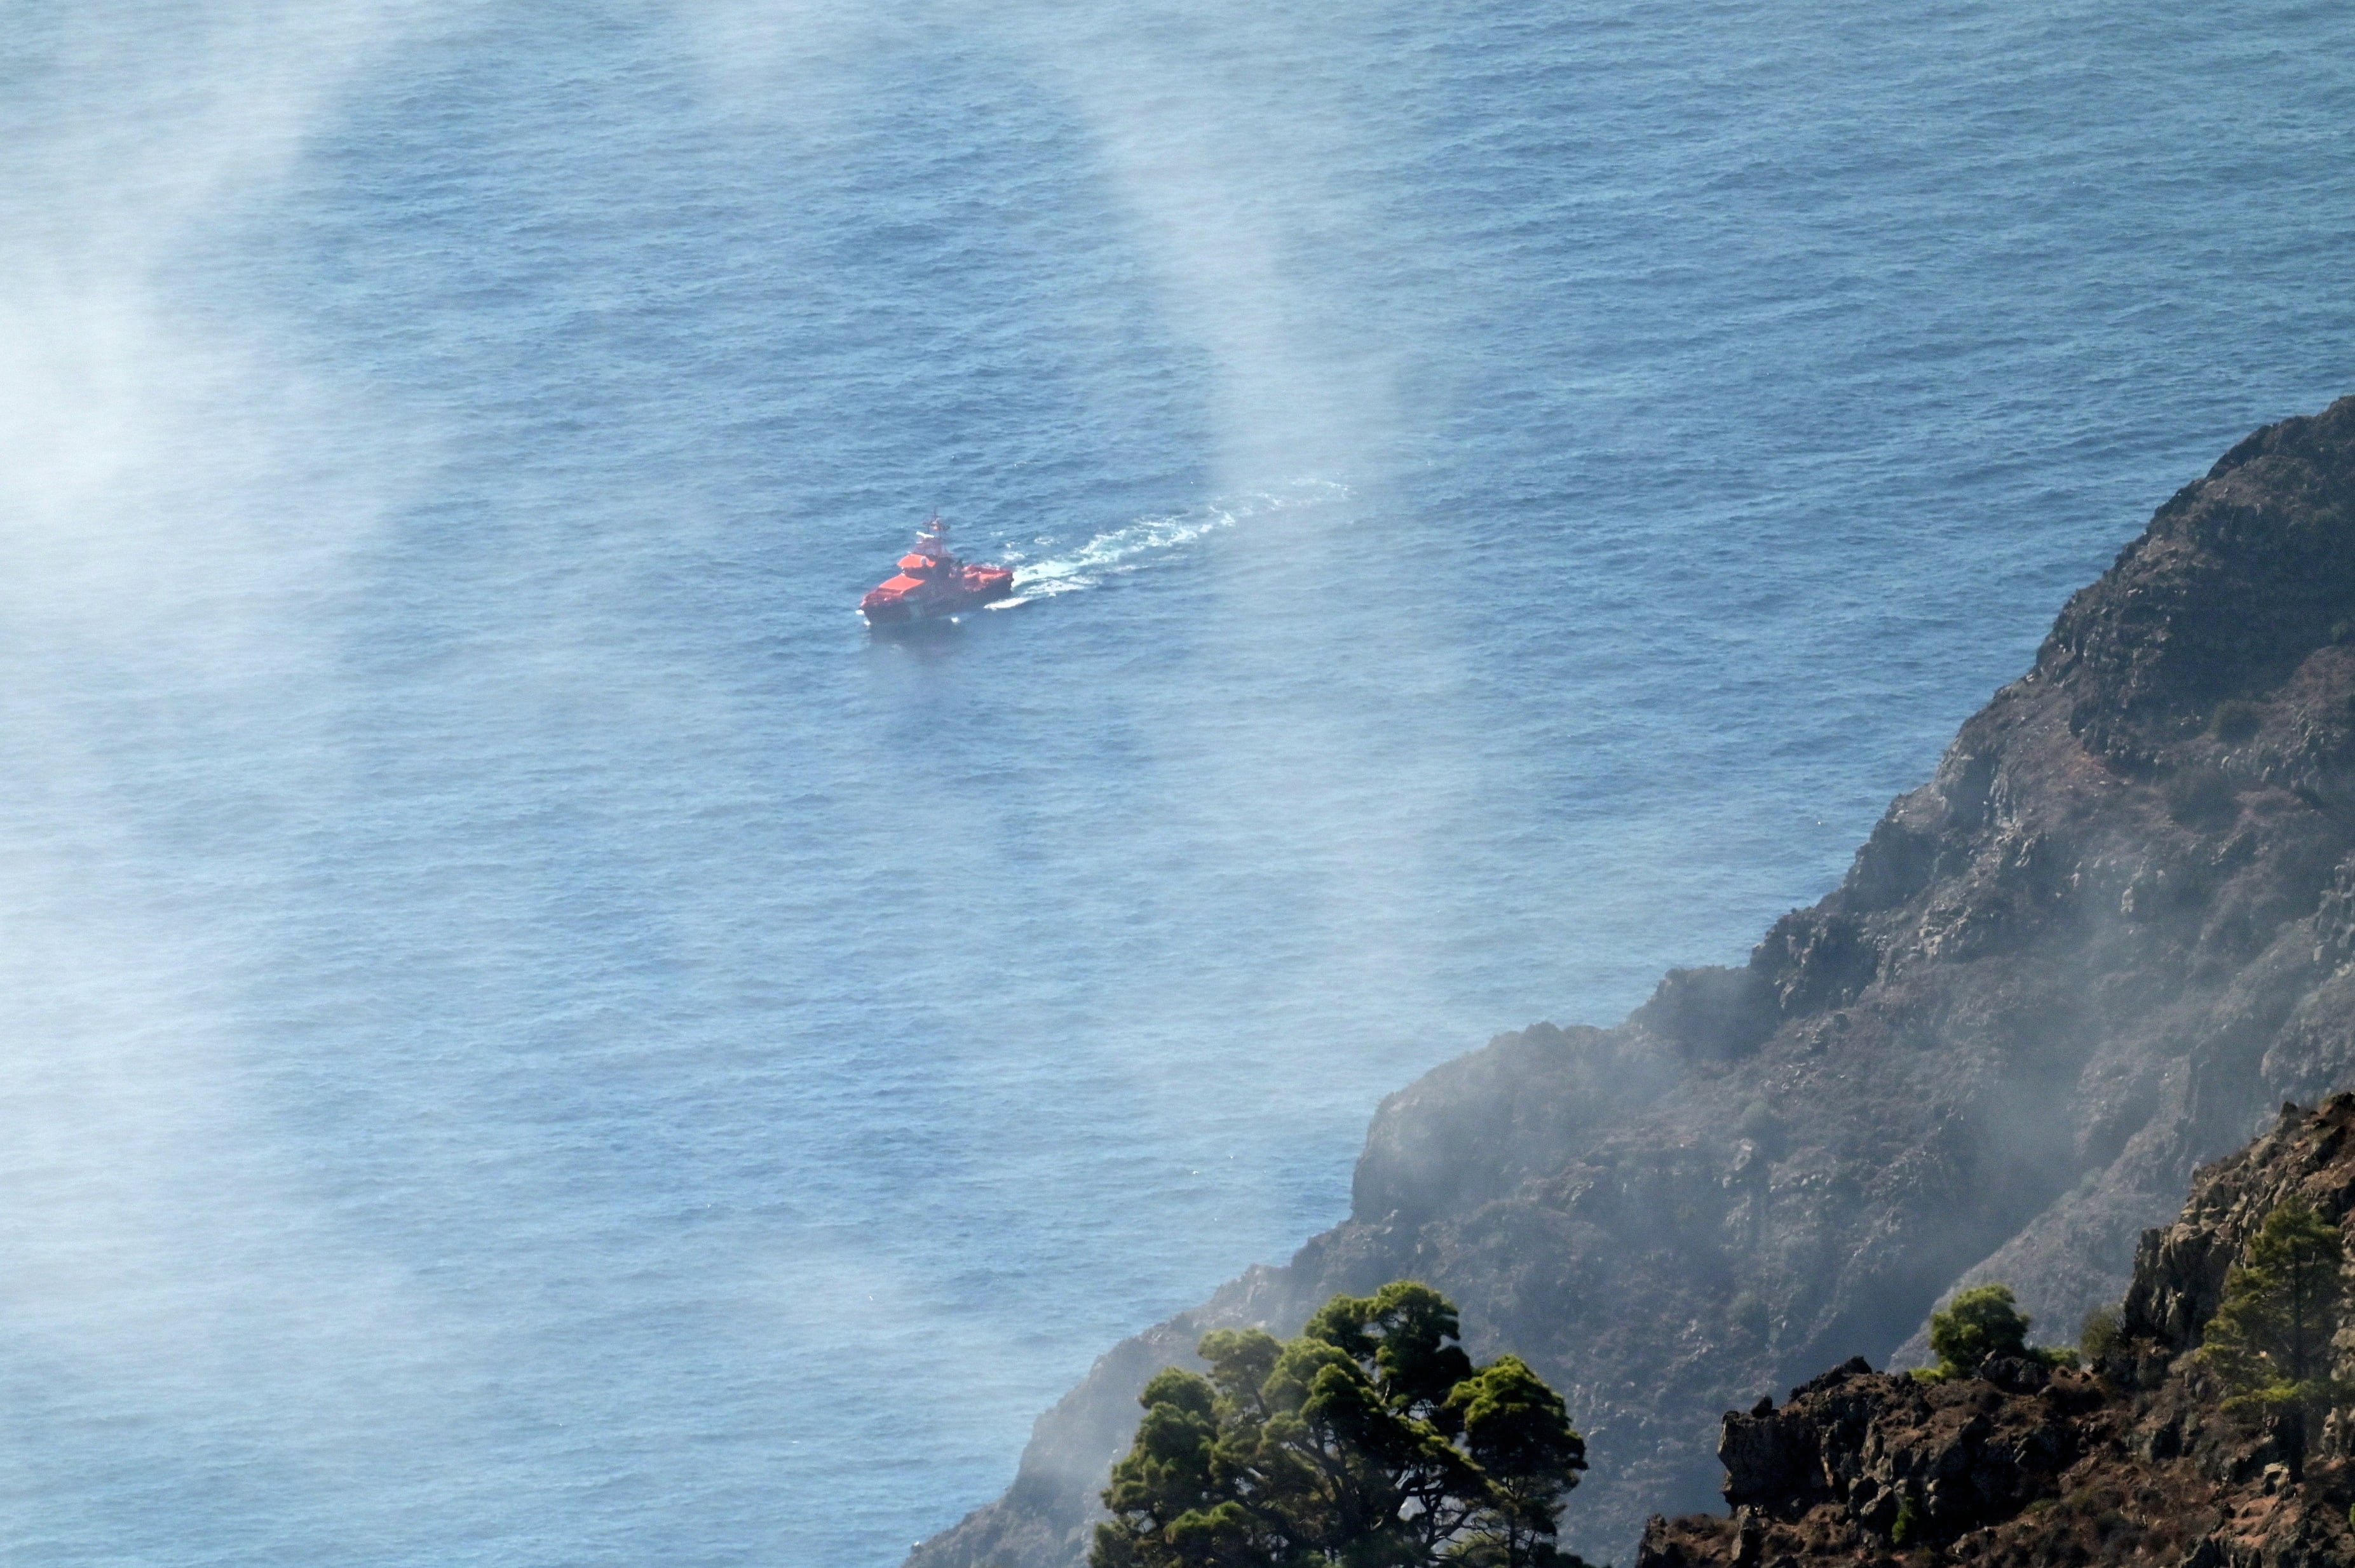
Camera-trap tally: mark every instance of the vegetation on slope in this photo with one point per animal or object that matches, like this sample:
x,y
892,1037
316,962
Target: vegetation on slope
x,y
2214,1426
1369,1441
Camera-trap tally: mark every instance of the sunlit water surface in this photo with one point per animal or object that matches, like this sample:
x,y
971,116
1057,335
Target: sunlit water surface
x,y
531,1040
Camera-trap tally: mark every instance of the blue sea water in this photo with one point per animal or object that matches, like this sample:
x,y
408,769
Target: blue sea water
x,y
531,1038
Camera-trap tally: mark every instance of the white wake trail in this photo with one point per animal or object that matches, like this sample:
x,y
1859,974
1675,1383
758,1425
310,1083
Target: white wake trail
x,y
1136,545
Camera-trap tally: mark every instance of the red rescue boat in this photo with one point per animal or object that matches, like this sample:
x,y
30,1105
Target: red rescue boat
x,y
934,583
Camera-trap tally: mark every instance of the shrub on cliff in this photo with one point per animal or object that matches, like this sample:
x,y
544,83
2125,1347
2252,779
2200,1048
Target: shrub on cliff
x,y
1983,1321
2101,1334
1370,1439
2270,1339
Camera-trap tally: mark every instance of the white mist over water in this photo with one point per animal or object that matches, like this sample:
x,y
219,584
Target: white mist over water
x,y
182,505
529,1038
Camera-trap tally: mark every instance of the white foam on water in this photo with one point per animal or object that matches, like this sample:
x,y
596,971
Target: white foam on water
x,y
1136,545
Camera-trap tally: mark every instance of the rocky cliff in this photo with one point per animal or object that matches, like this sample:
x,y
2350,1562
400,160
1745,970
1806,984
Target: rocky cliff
x,y
2131,1460
2112,930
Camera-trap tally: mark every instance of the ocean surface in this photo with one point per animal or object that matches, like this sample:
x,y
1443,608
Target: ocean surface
x,y
528,1037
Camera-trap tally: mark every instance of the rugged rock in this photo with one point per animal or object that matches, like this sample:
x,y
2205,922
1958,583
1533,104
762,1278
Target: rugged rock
x,y
2179,1276
2133,1460
2113,931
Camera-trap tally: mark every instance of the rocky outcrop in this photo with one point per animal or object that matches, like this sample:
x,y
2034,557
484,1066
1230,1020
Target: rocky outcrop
x,y
2113,930
2133,1459
2179,1276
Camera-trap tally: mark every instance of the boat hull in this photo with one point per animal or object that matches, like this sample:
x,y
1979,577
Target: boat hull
x,y
906,609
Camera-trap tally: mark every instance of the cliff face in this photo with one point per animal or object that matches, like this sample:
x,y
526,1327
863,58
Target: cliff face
x,y
2130,1460
2115,926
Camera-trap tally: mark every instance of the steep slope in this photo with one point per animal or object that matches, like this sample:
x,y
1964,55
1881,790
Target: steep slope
x,y
2132,1460
2112,929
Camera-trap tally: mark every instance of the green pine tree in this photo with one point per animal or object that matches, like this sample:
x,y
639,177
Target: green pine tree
x,y
2270,1339
1370,1441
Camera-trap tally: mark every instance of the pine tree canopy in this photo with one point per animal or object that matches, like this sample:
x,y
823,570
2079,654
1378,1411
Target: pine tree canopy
x,y
2270,1339
1369,1441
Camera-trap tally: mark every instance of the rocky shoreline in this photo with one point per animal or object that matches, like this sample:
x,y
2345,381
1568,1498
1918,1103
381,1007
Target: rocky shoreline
x,y
2113,930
